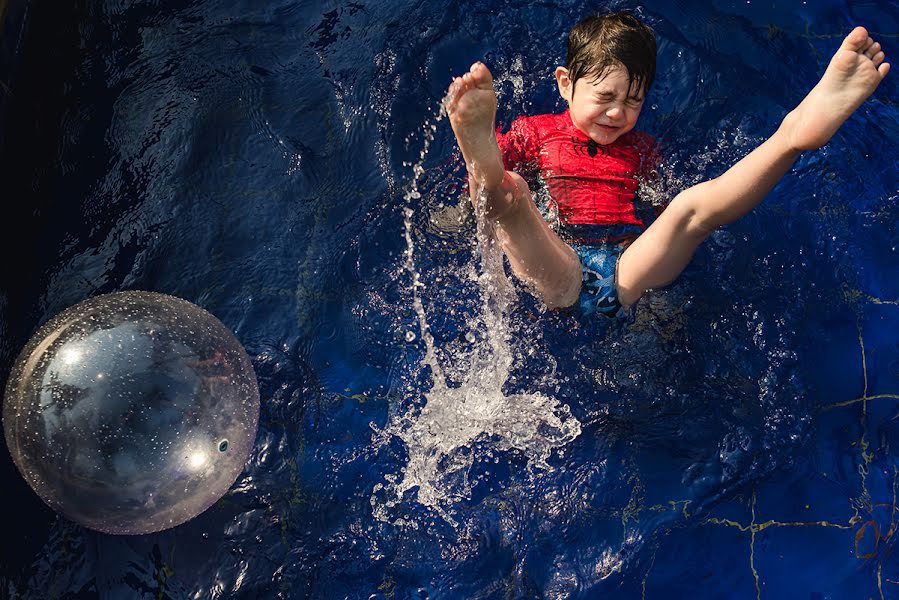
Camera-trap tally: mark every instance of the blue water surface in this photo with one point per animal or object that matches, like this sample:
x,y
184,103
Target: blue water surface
x,y
256,159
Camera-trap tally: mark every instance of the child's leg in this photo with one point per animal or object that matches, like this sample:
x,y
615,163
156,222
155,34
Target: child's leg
x,y
665,248
536,253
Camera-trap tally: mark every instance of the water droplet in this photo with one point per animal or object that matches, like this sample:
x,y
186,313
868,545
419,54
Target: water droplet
x,y
410,336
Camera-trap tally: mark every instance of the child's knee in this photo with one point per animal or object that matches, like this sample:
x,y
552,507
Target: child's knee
x,y
568,289
514,184
691,213
506,198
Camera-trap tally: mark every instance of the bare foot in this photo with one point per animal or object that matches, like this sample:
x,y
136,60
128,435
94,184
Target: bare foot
x,y
853,74
471,106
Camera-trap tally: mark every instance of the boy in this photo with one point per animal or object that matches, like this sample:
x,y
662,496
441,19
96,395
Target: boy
x,y
589,157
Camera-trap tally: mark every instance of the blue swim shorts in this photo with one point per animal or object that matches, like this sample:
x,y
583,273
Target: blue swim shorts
x,y
599,294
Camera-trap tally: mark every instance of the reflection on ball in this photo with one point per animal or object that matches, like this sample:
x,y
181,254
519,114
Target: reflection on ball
x,y
131,412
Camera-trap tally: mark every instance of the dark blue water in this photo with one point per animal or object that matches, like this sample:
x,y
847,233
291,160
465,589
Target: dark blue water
x,y
736,436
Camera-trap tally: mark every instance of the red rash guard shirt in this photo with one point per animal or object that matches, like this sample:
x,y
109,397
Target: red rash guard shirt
x,y
591,184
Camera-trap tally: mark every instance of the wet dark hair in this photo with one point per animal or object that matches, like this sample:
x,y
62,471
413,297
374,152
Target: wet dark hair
x,y
597,43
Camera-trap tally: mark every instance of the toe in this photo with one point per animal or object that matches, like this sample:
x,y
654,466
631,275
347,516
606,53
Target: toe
x,y
455,91
872,50
867,47
883,69
878,58
856,40
482,76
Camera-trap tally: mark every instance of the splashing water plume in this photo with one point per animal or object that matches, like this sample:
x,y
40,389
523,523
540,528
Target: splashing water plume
x,y
440,435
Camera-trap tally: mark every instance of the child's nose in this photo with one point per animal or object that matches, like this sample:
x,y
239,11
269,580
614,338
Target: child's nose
x,y
613,112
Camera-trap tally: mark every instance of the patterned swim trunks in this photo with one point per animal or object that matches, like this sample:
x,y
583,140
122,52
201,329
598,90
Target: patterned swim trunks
x,y
599,294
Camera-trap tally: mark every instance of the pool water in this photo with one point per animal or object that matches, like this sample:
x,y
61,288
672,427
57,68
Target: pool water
x,y
285,166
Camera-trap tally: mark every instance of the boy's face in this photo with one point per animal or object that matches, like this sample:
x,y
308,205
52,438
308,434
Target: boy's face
x,y
605,109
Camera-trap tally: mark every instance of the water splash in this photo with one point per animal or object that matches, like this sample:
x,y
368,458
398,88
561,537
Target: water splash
x,y
440,436
682,167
